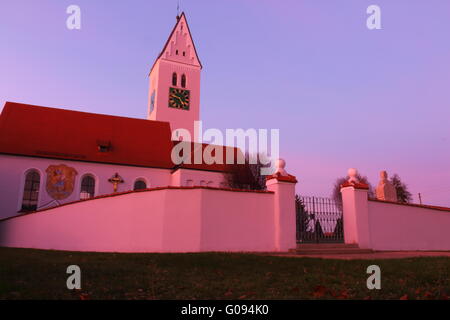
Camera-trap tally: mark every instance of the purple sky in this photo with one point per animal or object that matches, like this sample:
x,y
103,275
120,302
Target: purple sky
x,y
342,95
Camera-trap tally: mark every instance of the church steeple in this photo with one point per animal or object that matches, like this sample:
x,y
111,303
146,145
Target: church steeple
x,y
180,45
174,94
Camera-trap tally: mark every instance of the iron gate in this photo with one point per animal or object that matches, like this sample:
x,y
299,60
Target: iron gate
x,y
319,220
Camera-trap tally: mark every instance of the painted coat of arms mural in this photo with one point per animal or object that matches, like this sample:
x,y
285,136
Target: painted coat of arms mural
x,y
60,181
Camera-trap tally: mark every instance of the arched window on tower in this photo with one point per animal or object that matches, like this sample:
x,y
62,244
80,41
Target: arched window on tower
x,y
183,81
140,184
87,187
174,79
31,191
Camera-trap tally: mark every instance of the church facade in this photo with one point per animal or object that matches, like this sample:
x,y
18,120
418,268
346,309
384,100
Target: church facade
x,y
54,156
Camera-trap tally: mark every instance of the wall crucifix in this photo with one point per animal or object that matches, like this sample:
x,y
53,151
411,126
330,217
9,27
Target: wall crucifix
x,y
115,180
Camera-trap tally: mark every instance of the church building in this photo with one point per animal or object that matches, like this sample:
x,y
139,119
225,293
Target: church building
x,y
51,156
81,181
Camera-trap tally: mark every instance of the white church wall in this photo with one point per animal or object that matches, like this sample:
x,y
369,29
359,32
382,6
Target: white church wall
x,y
162,220
189,178
14,168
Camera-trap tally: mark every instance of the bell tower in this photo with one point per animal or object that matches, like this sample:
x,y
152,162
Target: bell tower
x,y
174,94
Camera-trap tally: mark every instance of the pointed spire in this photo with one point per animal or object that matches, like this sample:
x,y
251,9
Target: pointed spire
x,y
180,46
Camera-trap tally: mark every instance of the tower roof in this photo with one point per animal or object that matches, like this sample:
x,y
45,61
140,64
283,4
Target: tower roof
x,y
180,45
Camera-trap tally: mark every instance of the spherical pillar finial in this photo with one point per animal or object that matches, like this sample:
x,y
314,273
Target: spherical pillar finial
x,y
353,175
280,164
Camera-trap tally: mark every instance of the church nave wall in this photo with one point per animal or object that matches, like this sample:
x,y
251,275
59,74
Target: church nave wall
x,y
61,180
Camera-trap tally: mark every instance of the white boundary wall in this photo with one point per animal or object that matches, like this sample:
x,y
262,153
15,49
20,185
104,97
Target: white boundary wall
x,y
171,219
383,225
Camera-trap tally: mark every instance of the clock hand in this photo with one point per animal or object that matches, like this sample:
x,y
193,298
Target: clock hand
x,y
178,98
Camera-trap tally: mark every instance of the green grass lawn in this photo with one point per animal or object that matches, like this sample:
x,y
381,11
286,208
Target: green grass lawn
x,y
38,274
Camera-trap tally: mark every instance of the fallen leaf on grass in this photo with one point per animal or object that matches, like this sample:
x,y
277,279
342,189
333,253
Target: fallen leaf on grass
x,y
404,297
220,273
319,291
295,289
228,293
84,296
343,295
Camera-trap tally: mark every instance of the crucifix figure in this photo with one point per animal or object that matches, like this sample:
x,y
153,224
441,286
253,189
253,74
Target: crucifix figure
x,y
115,180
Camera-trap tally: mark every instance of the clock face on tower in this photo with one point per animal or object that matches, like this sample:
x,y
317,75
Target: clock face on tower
x,y
179,98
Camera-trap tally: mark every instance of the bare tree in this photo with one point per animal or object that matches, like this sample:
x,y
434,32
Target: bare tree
x,y
246,176
336,194
403,195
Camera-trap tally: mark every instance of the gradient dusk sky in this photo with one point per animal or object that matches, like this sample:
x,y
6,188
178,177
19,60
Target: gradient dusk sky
x,y
342,95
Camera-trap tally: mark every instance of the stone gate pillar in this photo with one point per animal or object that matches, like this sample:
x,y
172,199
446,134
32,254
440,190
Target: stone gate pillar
x,y
283,186
355,211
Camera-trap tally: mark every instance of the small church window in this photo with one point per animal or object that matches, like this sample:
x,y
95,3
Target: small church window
x,y
87,187
31,191
140,185
183,81
174,79
103,146
152,102
176,52
184,53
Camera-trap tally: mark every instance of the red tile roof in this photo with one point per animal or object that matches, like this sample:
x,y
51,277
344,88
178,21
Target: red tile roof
x,y
355,185
425,206
64,134
193,146
281,178
36,131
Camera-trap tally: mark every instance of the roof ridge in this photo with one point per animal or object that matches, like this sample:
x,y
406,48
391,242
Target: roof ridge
x,y
75,111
